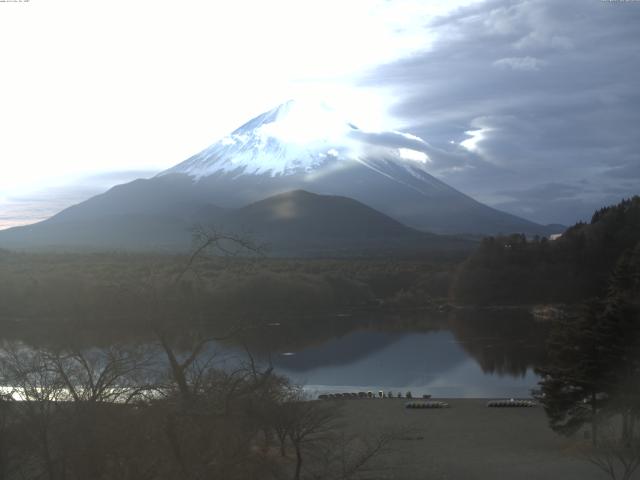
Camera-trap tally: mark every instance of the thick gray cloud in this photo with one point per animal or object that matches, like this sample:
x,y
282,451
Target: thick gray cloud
x,y
546,95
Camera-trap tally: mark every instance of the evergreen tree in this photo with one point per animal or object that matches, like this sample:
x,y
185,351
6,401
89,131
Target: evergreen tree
x,y
620,326
593,368
575,379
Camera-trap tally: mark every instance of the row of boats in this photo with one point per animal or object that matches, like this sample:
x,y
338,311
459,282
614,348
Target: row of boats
x,y
511,403
426,402
493,404
426,405
363,395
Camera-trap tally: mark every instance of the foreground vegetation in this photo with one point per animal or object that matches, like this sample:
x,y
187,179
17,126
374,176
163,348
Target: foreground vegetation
x,y
124,413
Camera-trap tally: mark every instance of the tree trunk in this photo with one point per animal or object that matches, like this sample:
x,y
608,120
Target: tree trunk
x,y
177,371
46,453
4,455
594,425
283,449
298,462
266,435
174,442
3,462
626,439
282,438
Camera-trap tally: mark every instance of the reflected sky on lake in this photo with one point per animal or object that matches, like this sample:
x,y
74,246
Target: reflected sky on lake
x,y
425,363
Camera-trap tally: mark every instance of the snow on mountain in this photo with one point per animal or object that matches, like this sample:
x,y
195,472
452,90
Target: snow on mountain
x,y
298,146
300,137
311,146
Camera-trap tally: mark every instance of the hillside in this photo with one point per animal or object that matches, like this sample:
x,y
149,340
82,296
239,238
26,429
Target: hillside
x,y
296,223
307,223
513,269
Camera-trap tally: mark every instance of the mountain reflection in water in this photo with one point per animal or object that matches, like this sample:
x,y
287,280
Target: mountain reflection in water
x,y
432,362
471,353
466,353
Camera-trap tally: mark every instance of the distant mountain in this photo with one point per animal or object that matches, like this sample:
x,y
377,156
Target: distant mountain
x,y
291,223
295,146
305,222
310,147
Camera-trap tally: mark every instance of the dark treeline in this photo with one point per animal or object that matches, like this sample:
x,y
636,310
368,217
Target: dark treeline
x,y
502,341
116,289
516,270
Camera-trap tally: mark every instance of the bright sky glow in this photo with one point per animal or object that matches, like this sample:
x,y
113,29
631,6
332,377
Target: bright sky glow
x,y
92,87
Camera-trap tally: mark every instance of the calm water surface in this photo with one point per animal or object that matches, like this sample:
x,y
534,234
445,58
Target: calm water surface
x,y
466,355
424,363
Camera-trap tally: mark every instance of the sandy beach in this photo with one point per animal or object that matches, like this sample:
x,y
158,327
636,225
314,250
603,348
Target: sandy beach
x,y
468,441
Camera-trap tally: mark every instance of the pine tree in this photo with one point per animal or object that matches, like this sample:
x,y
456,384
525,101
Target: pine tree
x,y
620,326
593,368
575,379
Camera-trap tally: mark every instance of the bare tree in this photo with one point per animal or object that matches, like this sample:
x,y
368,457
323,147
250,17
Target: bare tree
x,y
116,374
323,449
345,457
6,404
310,423
41,391
618,457
187,372
211,241
205,241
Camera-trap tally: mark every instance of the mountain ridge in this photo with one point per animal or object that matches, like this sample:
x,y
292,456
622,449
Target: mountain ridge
x,y
297,223
293,147
296,146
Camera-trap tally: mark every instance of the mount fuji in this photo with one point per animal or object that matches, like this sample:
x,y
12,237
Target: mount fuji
x,y
297,146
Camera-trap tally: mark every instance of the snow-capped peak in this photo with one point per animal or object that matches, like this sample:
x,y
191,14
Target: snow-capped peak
x,y
299,137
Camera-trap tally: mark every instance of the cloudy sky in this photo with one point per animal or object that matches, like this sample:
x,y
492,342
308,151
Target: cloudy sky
x,y
531,106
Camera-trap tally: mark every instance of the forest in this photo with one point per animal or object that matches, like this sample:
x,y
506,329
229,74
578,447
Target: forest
x,y
515,269
117,289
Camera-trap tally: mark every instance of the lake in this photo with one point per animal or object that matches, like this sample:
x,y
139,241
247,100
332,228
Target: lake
x,y
424,363
467,353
